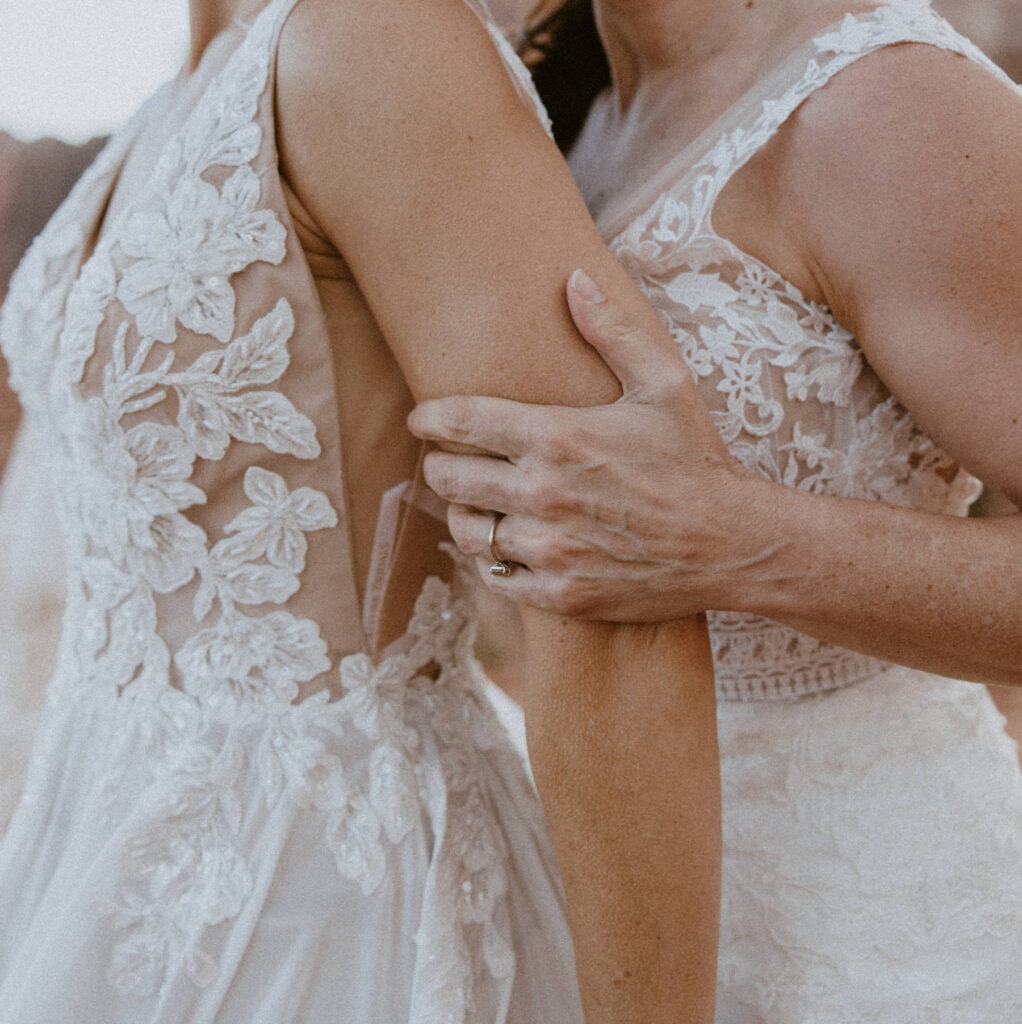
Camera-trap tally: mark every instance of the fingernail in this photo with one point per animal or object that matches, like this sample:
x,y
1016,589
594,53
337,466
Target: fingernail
x,y
585,286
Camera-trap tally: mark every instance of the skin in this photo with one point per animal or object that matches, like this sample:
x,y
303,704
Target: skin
x,y
886,196
461,223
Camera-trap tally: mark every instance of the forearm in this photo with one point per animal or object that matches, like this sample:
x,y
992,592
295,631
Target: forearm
x,y
929,591
622,739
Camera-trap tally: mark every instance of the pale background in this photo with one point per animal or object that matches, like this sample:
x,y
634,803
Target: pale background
x,y
77,68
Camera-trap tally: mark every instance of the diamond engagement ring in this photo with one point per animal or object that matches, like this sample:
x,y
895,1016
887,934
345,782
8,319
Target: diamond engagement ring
x,y
499,567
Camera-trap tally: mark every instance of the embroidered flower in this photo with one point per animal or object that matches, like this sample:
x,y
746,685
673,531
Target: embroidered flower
x,y
187,858
375,694
437,622
132,487
86,308
740,381
673,222
276,523
248,659
186,252
214,404
273,527
756,283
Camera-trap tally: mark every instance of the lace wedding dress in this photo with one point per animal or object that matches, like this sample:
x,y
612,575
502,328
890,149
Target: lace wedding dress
x,y
872,814
256,796
32,584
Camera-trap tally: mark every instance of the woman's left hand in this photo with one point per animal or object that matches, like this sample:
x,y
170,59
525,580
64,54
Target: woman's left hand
x,y
630,512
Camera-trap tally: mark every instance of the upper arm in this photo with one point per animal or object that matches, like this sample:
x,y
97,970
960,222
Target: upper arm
x,y
905,174
403,134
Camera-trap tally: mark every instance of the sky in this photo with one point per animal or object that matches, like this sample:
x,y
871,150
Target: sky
x,y
78,68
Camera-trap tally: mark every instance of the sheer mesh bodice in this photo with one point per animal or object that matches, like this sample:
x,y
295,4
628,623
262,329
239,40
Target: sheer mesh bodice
x,y
786,384
224,419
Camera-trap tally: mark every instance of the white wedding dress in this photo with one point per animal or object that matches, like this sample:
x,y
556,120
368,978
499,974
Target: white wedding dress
x,y
255,797
872,814
32,583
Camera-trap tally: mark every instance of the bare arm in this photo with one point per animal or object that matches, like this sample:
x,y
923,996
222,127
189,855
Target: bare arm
x,y
904,205
917,241
461,224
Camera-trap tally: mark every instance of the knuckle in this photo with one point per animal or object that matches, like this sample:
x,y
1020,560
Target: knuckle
x,y
564,597
616,323
440,477
676,382
555,555
566,445
627,331
459,523
547,499
535,491
459,417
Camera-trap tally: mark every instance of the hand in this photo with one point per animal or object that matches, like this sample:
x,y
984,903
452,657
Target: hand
x,y
629,512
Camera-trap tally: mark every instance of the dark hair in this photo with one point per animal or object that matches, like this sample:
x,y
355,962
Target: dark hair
x,y
568,64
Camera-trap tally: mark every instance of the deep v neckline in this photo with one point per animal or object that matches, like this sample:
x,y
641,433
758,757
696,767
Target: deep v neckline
x,y
100,222
670,176
178,94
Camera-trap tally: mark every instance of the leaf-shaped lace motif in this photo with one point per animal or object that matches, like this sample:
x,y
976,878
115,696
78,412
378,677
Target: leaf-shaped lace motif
x,y
786,384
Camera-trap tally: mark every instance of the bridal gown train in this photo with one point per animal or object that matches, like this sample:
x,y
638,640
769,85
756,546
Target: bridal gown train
x,y
254,797
872,814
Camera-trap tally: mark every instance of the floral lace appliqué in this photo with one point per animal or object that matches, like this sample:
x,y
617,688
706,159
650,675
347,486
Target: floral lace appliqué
x,y
785,383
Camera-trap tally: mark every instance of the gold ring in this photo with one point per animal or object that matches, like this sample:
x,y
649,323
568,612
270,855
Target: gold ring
x,y
499,566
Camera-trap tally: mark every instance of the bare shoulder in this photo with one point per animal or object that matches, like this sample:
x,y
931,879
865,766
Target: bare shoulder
x,y
901,180
908,124
901,168
338,55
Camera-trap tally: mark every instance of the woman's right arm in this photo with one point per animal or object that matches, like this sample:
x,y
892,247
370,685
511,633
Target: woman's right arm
x,y
401,133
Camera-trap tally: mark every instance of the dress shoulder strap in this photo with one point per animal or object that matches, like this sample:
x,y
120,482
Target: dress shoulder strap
x,y
519,73
827,54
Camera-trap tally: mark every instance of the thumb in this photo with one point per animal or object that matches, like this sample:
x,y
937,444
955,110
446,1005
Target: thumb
x,y
637,358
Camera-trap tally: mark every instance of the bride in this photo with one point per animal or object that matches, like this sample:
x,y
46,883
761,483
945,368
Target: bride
x,y
823,201
267,787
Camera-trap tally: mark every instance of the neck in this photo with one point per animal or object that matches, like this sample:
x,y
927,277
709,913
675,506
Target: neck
x,y
674,39
208,18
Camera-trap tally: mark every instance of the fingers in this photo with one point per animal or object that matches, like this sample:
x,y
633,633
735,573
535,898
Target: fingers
x,y
638,360
518,587
518,539
470,529
521,541
481,481
492,424
538,589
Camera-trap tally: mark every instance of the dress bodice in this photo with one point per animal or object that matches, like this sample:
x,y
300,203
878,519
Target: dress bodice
x,y
786,384
184,371
224,414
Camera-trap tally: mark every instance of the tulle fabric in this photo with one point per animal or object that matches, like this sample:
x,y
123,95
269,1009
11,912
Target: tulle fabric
x,y
873,843
307,945
32,581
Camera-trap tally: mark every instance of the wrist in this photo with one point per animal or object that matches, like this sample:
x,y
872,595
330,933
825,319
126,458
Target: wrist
x,y
759,557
